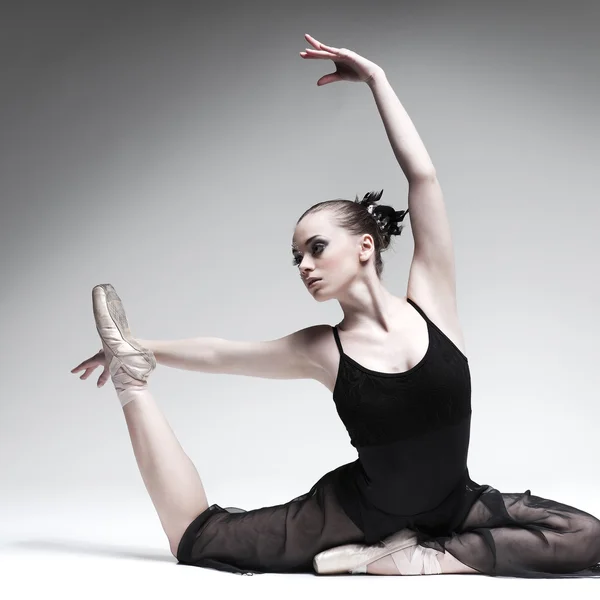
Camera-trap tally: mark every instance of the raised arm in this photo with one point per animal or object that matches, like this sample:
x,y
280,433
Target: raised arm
x,y
432,278
432,275
410,152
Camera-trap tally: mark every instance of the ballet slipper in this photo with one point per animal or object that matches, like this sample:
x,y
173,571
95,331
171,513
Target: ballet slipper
x,y
130,364
354,558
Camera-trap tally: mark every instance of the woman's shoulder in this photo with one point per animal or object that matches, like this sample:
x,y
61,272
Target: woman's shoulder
x,y
321,350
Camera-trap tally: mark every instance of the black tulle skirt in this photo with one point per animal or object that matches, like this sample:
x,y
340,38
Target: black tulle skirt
x,y
502,534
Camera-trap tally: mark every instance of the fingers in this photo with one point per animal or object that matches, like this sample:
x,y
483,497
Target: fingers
x,y
329,78
312,40
318,44
319,53
87,373
89,369
88,362
85,365
103,378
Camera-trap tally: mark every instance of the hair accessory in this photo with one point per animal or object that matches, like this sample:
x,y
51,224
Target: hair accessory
x,y
385,216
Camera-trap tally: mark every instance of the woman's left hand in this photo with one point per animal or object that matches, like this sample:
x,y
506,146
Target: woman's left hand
x,y
350,65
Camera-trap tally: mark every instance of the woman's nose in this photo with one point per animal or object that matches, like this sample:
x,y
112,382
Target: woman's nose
x,y
304,265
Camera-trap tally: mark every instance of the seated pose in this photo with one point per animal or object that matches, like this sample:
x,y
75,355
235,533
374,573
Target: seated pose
x,y
400,380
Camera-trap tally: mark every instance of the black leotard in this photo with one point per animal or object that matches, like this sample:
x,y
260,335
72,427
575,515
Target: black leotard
x,y
411,431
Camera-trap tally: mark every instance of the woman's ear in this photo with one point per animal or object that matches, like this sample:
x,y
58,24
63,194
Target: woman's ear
x,y
367,247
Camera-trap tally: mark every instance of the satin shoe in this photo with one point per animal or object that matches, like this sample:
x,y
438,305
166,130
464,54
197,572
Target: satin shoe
x,y
354,558
130,362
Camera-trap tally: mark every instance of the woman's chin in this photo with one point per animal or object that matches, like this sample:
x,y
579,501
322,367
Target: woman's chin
x,y
320,296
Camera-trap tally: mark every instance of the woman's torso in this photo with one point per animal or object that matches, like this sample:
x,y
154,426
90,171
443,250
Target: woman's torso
x,y
405,400
397,351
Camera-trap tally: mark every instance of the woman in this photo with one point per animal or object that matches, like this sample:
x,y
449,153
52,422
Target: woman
x,y
407,505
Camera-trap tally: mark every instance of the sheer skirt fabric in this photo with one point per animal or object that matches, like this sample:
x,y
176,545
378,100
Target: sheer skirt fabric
x,y
274,539
522,535
505,534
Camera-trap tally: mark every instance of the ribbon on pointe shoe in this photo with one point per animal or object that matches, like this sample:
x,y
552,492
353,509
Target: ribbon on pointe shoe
x,y
126,386
417,560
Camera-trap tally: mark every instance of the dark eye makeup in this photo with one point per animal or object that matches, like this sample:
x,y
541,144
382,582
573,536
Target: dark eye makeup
x,y
298,259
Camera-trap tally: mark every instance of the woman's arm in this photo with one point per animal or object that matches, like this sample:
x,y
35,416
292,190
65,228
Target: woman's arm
x,y
406,143
432,273
350,66
289,357
432,276
192,354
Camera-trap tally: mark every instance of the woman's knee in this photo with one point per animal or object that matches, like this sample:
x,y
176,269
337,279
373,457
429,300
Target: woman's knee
x,y
175,535
590,538
579,544
185,535
176,532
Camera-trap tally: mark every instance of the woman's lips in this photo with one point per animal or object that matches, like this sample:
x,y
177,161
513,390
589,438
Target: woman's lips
x,y
314,282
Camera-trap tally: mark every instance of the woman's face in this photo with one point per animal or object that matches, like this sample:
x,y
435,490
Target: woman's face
x,y
323,250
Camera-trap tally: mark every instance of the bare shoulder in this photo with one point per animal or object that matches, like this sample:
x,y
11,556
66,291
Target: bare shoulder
x,y
322,353
437,299
446,319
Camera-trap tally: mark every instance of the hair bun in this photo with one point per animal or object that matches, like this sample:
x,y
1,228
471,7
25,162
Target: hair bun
x,y
387,217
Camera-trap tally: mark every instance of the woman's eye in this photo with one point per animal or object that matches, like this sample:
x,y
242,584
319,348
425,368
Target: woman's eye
x,y
317,248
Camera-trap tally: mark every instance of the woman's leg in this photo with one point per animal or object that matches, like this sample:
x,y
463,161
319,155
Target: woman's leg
x,y
169,475
524,535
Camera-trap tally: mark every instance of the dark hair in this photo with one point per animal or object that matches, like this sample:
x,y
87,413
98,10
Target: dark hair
x,y
381,222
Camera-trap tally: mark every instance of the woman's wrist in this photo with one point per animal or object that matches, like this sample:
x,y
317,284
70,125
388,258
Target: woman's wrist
x,y
377,76
151,345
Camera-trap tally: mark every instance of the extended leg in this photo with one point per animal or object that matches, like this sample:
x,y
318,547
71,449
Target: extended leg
x,y
518,535
169,475
523,535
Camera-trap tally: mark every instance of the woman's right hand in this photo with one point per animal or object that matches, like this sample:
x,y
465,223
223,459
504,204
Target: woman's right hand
x,y
90,364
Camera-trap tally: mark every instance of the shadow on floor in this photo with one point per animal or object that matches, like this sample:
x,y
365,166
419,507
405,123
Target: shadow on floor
x,y
91,548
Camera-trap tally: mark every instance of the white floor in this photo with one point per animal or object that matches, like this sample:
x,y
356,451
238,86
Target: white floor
x,y
79,548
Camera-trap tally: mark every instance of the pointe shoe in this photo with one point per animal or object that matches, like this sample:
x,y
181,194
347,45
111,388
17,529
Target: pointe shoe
x,y
354,558
417,560
130,363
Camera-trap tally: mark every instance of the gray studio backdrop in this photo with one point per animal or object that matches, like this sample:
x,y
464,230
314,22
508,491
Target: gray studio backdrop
x,y
169,148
